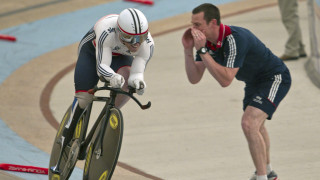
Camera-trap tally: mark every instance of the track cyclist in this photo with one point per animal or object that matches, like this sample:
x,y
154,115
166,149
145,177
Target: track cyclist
x,y
116,49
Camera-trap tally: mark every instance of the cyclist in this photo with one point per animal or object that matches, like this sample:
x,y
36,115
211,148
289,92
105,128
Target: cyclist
x,y
116,49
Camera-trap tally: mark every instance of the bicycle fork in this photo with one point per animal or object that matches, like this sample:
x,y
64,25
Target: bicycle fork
x,y
98,151
99,148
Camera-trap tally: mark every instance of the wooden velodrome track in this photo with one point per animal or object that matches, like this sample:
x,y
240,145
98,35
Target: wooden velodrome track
x,y
177,138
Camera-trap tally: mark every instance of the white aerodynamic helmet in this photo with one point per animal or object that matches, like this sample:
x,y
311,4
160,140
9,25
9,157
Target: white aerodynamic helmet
x,y
133,26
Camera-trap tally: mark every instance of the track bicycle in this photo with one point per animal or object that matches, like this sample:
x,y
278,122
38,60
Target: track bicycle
x,y
100,148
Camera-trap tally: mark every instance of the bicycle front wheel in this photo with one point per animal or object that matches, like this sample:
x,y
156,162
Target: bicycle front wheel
x,y
71,151
100,165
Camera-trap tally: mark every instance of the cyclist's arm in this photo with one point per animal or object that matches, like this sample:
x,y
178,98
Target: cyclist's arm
x,y
137,68
103,53
140,62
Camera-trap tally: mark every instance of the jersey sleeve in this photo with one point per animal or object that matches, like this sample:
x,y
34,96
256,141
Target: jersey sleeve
x,y
103,51
141,60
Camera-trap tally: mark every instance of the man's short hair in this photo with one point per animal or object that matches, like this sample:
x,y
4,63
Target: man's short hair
x,y
210,12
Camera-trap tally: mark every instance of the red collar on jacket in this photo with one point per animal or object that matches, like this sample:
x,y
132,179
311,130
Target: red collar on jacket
x,y
223,33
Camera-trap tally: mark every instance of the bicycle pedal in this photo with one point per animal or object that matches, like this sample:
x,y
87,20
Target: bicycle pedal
x,y
59,141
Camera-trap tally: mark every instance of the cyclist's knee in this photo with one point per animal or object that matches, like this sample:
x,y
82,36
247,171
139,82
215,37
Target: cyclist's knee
x,y
84,98
125,72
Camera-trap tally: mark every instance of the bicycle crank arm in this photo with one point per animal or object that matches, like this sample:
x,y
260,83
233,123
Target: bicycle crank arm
x,y
56,169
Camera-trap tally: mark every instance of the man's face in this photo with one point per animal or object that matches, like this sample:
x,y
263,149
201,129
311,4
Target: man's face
x,y
200,23
208,29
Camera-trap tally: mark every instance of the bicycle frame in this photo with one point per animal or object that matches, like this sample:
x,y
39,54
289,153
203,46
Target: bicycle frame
x,y
80,147
110,103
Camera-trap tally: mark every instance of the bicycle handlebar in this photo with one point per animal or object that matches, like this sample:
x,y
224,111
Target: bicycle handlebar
x,y
120,91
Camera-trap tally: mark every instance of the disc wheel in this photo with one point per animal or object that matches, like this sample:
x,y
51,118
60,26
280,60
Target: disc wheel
x,y
100,165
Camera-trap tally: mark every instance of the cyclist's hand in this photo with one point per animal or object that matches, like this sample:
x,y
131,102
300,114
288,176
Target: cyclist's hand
x,y
139,85
116,81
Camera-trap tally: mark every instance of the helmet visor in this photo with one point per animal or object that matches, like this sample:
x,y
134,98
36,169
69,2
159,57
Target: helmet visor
x,y
133,39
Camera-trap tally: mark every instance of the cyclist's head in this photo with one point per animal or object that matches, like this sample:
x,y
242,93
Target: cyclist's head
x,y
133,26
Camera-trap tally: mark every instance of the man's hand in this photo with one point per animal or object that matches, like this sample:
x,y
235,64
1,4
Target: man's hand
x,y
199,38
116,81
187,39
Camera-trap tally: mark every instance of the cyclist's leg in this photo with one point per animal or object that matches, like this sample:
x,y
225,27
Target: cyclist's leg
x,y
81,100
122,65
71,124
122,99
85,78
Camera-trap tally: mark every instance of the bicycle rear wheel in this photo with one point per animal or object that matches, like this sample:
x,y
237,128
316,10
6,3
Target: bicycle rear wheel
x,y
101,166
71,151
